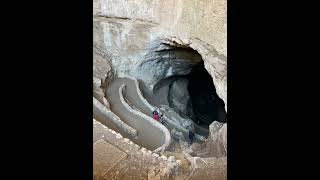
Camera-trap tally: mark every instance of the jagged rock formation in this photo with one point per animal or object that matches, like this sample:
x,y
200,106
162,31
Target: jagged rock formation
x,y
126,33
116,157
216,143
179,98
209,168
164,61
98,92
139,104
153,41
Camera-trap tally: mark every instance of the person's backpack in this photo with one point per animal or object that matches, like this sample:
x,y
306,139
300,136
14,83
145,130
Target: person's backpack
x,y
156,117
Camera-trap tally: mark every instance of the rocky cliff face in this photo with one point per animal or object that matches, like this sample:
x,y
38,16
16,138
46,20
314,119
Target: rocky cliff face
x,y
154,40
127,34
179,97
216,143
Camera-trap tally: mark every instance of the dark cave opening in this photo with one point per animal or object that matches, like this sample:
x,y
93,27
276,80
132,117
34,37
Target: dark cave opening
x,y
206,104
185,86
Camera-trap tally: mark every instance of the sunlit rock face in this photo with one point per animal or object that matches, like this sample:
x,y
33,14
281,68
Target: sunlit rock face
x,y
166,61
154,40
130,32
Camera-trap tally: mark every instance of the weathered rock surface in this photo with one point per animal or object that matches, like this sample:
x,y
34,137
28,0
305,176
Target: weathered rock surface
x,y
116,157
209,168
98,92
179,98
129,32
119,158
145,39
164,61
101,59
182,121
216,144
217,141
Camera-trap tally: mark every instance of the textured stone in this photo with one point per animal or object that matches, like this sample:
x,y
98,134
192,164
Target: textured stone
x,y
105,156
98,92
216,144
142,38
209,169
171,159
128,33
135,166
179,98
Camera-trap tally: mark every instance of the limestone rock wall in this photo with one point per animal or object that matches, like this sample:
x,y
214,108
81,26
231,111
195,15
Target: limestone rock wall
x,y
179,97
216,143
126,31
204,19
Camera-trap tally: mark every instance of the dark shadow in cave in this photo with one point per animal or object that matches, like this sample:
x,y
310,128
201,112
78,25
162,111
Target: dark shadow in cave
x,y
204,105
207,106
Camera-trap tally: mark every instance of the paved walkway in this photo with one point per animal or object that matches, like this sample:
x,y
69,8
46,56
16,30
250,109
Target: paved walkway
x,y
149,135
128,160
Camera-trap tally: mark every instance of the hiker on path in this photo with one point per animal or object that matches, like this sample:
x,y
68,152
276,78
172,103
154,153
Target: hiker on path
x,y
161,118
155,115
191,136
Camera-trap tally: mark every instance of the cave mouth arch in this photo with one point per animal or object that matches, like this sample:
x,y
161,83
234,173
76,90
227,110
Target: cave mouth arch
x,y
185,85
206,104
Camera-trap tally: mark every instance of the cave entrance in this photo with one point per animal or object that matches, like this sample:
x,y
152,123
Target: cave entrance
x,y
207,106
187,87
194,96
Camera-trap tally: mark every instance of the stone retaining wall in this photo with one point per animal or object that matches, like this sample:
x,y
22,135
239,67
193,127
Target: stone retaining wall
x,y
162,136
108,118
166,118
